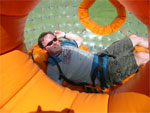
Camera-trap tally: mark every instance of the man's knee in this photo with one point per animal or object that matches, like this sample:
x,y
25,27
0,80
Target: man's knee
x,y
141,58
134,39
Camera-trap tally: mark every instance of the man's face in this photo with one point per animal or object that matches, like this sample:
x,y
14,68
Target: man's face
x,y
51,45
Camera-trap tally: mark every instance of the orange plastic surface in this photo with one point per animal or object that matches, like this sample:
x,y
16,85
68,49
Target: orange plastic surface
x,y
139,8
25,88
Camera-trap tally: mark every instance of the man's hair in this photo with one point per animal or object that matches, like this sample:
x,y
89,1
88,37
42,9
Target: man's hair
x,y
41,38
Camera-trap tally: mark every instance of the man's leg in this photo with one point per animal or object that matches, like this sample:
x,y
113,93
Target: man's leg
x,y
140,41
121,67
141,58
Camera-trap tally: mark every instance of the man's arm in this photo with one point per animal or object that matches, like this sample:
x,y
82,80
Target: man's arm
x,y
69,36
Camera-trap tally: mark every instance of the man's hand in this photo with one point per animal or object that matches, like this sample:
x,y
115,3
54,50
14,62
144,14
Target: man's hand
x,y
69,36
59,34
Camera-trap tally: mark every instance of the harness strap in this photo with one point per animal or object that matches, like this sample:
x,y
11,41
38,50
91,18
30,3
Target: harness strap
x,y
99,68
69,42
102,78
93,77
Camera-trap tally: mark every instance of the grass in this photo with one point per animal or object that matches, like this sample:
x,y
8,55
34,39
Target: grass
x,y
102,12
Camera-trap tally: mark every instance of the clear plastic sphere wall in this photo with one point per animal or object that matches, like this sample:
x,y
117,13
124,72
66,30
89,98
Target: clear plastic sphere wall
x,y
51,15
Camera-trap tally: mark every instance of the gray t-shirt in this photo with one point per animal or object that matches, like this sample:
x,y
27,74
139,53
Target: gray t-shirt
x,y
75,63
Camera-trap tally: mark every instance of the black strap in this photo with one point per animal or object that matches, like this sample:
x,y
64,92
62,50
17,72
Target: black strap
x,y
31,54
106,54
61,75
60,71
93,77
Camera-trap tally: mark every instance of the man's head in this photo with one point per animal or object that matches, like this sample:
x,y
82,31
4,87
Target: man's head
x,y
48,41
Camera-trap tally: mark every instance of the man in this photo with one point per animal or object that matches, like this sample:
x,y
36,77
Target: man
x,y
112,66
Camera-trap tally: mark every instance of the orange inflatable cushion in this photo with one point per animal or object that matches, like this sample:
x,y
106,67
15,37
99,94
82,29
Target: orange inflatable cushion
x,y
39,56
